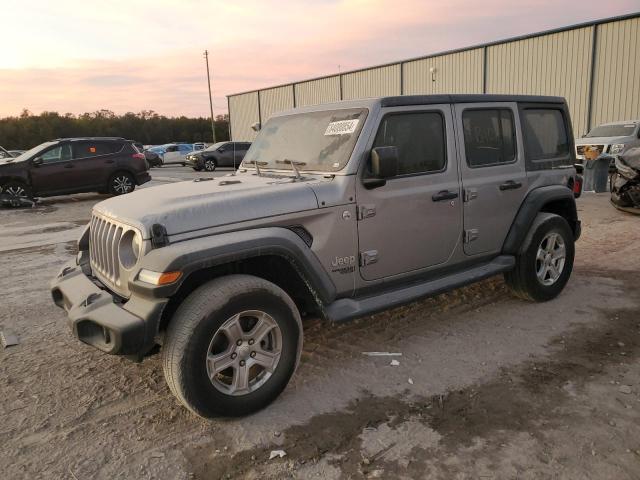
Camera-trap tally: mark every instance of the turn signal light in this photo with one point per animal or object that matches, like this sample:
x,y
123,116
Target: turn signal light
x,y
158,278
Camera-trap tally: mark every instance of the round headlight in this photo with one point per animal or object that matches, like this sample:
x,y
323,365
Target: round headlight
x,y
129,249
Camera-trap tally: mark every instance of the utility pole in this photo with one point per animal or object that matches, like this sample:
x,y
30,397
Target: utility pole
x,y
213,126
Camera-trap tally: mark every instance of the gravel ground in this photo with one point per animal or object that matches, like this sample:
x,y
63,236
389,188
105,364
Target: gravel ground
x,y
487,386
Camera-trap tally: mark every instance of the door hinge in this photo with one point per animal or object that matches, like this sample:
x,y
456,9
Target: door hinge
x,y
368,257
471,235
366,211
470,194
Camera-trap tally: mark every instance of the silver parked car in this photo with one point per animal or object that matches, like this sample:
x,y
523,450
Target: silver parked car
x,y
609,138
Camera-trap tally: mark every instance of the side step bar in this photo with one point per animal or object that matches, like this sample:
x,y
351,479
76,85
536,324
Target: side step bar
x,y
349,308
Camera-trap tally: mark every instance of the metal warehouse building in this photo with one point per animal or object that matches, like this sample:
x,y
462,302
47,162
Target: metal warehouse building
x,y
595,66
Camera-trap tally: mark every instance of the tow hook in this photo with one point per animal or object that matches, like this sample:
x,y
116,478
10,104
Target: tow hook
x,y
65,271
90,299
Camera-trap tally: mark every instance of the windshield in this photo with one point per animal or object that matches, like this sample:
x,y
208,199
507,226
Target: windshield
x,y
214,147
321,141
34,151
620,130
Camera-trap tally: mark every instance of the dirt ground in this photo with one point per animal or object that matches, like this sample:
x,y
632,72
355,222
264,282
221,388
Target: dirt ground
x,y
487,386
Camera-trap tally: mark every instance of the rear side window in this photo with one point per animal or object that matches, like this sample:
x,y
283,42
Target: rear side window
x,y
545,134
489,137
419,138
87,149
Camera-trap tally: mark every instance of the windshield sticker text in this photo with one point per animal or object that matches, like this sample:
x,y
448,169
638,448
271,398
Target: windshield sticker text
x,y
342,127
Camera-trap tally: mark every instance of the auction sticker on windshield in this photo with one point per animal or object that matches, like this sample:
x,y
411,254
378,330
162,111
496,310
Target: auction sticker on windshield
x,y
342,127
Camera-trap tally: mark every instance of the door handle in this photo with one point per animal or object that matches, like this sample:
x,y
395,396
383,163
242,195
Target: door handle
x,y
444,195
510,185
68,165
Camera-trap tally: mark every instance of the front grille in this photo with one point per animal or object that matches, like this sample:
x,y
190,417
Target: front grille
x,y
104,238
580,149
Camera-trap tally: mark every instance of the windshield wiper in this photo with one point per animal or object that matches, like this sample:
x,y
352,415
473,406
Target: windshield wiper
x,y
294,166
257,164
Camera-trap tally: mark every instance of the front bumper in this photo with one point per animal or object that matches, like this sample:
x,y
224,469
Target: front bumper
x,y
100,319
194,162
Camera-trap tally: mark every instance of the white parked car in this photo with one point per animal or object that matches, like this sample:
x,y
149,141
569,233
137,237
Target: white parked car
x,y
176,153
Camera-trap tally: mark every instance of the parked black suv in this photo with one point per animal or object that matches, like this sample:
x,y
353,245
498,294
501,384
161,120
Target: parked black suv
x,y
221,154
74,165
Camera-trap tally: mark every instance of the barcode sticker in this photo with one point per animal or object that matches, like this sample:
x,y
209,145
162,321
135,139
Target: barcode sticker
x,y
342,127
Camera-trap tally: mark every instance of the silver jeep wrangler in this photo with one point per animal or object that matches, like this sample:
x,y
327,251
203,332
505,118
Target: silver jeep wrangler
x,y
338,210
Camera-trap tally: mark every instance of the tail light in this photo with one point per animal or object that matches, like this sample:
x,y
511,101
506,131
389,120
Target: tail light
x,y
139,156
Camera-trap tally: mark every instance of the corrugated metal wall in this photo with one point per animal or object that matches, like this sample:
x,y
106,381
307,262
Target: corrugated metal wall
x,y
275,100
616,81
315,92
243,112
461,72
555,63
376,82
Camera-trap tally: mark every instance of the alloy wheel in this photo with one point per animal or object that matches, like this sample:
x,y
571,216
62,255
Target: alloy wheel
x,y
550,258
244,353
210,165
122,184
15,191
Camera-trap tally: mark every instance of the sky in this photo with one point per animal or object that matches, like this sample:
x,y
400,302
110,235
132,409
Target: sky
x,y
79,56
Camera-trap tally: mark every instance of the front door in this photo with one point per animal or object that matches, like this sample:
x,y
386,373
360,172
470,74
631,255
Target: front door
x,y
494,178
55,173
414,221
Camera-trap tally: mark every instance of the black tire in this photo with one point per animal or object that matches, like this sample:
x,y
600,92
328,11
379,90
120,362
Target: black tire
x,y
16,189
197,169
121,183
523,279
198,320
210,164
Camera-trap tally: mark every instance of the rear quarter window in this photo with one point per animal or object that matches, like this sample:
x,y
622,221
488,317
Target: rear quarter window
x,y
546,137
94,149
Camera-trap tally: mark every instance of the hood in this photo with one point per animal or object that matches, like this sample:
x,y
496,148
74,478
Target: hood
x,y
632,158
602,140
195,205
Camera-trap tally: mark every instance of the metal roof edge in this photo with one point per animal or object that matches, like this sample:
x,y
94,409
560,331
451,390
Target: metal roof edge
x,y
527,36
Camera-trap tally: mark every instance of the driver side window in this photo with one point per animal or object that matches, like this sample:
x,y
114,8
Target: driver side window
x,y
61,153
419,138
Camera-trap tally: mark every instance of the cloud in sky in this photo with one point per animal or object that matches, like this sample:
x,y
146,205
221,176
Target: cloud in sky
x,y
76,56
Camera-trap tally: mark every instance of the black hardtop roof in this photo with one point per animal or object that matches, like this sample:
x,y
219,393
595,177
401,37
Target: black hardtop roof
x,y
408,100
75,139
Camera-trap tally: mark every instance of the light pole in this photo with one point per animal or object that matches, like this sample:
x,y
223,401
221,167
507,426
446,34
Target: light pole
x,y
213,126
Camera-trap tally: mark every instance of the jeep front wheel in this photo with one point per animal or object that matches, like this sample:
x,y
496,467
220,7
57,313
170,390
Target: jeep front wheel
x,y
542,270
232,346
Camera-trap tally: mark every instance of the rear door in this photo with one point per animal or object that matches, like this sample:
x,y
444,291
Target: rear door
x,y
171,155
94,162
494,178
414,221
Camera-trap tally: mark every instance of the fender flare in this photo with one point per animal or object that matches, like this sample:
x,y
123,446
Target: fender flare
x,y
193,255
529,209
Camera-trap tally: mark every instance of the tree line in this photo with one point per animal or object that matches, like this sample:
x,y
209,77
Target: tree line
x,y
148,127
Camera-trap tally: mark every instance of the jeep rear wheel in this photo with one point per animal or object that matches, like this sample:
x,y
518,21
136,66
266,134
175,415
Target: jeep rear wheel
x,y
232,346
543,269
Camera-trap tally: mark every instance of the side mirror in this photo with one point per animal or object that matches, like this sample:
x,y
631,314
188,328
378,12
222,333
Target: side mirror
x,y
37,161
384,164
221,149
